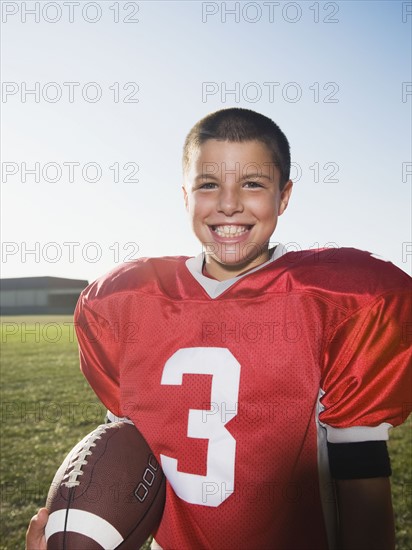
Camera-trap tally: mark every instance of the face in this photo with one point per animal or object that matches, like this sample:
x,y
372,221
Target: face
x,y
232,195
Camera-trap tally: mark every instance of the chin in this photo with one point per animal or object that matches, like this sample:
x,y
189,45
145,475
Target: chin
x,y
231,259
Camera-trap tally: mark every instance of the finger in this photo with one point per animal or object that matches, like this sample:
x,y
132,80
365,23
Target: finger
x,y
35,539
42,517
39,520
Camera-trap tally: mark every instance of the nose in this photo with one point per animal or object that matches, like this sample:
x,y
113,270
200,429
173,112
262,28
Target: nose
x,y
229,202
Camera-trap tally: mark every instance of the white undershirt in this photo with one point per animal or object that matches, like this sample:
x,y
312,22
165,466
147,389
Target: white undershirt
x,y
215,288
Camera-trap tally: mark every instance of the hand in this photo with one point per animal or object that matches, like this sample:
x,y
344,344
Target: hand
x,y
35,539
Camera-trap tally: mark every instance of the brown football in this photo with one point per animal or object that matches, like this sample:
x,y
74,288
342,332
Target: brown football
x,y
109,492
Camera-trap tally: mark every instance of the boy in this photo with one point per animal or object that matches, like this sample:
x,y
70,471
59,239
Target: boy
x,y
253,374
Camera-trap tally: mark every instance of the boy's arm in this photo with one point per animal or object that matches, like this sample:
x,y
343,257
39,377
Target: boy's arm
x,y
365,514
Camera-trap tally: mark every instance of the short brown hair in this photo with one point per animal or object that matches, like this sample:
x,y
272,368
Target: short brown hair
x,y
238,125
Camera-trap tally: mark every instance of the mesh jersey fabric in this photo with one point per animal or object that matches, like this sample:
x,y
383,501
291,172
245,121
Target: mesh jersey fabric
x,y
226,389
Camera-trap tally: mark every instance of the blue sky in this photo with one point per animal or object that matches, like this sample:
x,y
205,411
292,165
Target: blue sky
x,y
333,75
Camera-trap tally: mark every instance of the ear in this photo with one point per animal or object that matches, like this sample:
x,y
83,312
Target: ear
x,y
285,196
185,197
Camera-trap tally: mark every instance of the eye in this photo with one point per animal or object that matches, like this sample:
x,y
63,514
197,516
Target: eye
x,y
253,184
207,185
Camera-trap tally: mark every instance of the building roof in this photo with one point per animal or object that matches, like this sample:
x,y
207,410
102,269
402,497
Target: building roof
x,y
25,283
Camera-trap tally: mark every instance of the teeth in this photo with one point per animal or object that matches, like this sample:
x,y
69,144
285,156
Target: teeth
x,y
230,230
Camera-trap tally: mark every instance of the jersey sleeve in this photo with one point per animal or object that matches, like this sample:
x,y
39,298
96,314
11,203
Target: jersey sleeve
x,y
366,385
99,355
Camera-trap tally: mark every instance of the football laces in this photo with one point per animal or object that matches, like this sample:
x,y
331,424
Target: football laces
x,y
82,456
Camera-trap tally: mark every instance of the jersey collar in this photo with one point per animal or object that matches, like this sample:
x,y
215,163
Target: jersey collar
x,y
215,288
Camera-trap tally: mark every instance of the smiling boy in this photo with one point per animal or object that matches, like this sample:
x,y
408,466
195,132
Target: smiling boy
x,y
265,382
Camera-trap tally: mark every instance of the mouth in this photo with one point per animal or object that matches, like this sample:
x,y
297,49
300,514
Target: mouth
x,y
230,231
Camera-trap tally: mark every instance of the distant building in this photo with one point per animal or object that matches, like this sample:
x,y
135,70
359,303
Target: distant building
x,y
39,295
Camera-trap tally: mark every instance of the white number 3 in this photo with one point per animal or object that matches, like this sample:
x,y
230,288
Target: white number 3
x,y
218,483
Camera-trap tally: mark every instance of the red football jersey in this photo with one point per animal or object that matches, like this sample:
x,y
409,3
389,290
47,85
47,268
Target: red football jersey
x,y
236,387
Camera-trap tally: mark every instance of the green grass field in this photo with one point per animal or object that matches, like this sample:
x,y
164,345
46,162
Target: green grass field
x,y
47,406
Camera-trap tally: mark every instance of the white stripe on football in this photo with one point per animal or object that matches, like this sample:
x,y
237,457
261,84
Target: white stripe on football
x,y
84,523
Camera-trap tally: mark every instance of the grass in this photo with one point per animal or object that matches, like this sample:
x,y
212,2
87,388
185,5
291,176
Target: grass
x,y
400,450
47,406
